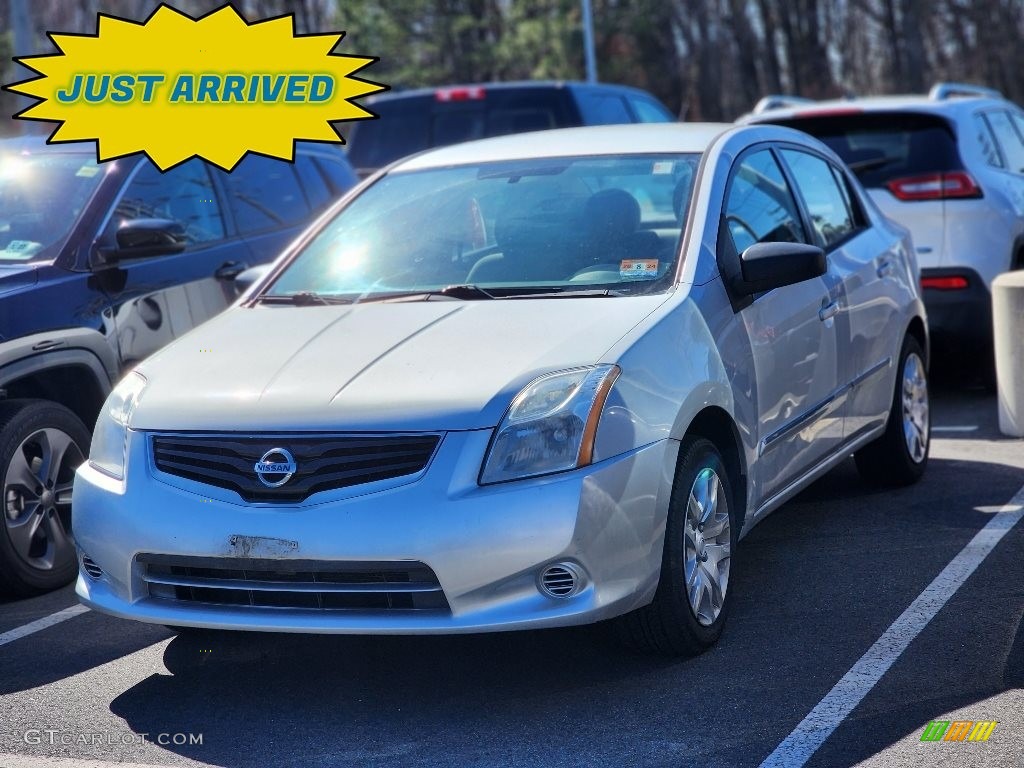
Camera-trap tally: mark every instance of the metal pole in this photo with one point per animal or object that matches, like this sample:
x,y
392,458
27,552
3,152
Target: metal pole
x,y
24,45
588,42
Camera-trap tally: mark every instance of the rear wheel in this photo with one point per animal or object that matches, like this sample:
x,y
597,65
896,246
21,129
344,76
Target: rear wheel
x,y
900,455
690,607
41,446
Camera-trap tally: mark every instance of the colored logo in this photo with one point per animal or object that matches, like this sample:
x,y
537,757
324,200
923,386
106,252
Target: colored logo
x,y
175,87
276,467
958,730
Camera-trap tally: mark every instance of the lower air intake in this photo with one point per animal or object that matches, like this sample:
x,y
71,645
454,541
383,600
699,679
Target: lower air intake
x,y
90,567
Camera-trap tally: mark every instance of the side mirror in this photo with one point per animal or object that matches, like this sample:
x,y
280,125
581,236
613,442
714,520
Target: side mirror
x,y
249,277
143,238
765,266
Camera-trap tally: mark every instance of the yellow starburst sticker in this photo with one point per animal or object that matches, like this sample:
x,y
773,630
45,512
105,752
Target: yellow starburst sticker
x,y
176,87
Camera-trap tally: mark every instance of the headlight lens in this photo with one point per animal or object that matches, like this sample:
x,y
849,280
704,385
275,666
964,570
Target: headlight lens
x,y
108,439
550,425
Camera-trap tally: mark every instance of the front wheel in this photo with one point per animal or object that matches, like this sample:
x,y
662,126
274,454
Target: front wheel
x,y
690,607
41,446
900,455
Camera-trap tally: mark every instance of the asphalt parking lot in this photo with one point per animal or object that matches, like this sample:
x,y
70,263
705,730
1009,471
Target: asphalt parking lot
x,y
817,585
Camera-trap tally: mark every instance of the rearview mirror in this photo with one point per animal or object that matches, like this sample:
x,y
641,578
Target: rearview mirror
x,y
142,238
765,266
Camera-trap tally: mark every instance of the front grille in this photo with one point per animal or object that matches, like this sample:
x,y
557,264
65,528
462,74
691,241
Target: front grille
x,y
308,584
322,463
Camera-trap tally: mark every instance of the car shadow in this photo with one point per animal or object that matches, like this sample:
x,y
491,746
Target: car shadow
x,y
809,599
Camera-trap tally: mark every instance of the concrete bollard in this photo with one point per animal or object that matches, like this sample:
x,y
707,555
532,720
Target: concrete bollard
x,y
1008,324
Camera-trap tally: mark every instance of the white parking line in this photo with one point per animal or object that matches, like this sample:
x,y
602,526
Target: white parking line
x,y
956,428
43,623
797,748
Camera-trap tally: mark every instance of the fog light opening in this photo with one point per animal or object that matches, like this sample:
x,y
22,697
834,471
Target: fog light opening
x,y
90,567
560,580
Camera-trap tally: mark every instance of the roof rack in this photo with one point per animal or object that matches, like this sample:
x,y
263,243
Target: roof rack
x,y
943,91
778,101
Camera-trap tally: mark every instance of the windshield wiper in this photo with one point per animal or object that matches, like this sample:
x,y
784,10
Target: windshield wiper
x,y
302,299
563,293
463,292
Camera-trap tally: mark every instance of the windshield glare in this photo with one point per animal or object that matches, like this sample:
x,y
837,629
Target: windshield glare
x,y
563,223
41,197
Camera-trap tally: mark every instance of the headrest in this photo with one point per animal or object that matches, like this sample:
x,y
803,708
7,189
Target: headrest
x,y
612,213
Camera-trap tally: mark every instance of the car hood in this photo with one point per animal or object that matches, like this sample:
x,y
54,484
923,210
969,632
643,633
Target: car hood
x,y
424,365
16,276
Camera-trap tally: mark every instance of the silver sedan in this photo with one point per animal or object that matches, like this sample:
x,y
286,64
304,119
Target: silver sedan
x,y
533,381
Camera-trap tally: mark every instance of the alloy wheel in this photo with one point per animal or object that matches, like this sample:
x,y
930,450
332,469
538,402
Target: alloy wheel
x,y
707,546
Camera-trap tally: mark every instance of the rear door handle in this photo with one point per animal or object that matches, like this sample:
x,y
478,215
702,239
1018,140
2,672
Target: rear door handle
x,y
884,269
229,270
828,311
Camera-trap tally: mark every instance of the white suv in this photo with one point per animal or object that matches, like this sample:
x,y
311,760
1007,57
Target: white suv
x,y
950,167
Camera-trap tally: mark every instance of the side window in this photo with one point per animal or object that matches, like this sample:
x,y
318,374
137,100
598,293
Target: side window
x,y
602,108
1009,140
648,111
312,181
184,194
826,203
760,207
853,204
987,141
264,194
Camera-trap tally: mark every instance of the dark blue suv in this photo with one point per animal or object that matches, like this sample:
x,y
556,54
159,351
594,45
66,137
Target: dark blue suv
x,y
101,265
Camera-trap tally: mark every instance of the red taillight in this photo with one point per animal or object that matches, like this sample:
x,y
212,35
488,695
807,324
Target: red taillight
x,y
954,283
474,93
935,186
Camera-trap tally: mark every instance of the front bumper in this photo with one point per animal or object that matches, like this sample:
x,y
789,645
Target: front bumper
x,y
486,545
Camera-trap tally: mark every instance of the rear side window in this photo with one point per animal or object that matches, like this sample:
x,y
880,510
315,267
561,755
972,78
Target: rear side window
x,y
1009,140
265,194
882,146
648,111
761,207
987,141
825,201
602,108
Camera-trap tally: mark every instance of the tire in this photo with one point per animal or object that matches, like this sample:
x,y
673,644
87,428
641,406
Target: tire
x,y
36,551
671,625
900,456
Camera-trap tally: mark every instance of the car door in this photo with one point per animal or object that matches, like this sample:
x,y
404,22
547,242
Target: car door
x,y
874,287
156,299
792,330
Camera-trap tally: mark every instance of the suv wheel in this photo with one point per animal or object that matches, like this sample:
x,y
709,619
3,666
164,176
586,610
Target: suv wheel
x,y
690,607
41,446
900,455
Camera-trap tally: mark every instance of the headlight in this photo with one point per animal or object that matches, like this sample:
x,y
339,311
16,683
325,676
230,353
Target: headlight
x,y
108,439
550,425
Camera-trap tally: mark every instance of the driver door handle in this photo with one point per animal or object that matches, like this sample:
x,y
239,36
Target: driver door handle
x,y
828,311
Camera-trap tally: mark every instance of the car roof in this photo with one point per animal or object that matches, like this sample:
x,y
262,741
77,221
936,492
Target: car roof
x,y
34,143
905,103
635,139
412,93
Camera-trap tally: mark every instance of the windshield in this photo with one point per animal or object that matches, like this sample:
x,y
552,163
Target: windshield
x,y
546,225
41,197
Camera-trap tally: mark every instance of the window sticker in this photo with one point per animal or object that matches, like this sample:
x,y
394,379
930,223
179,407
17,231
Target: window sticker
x,y
638,269
20,250
663,167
